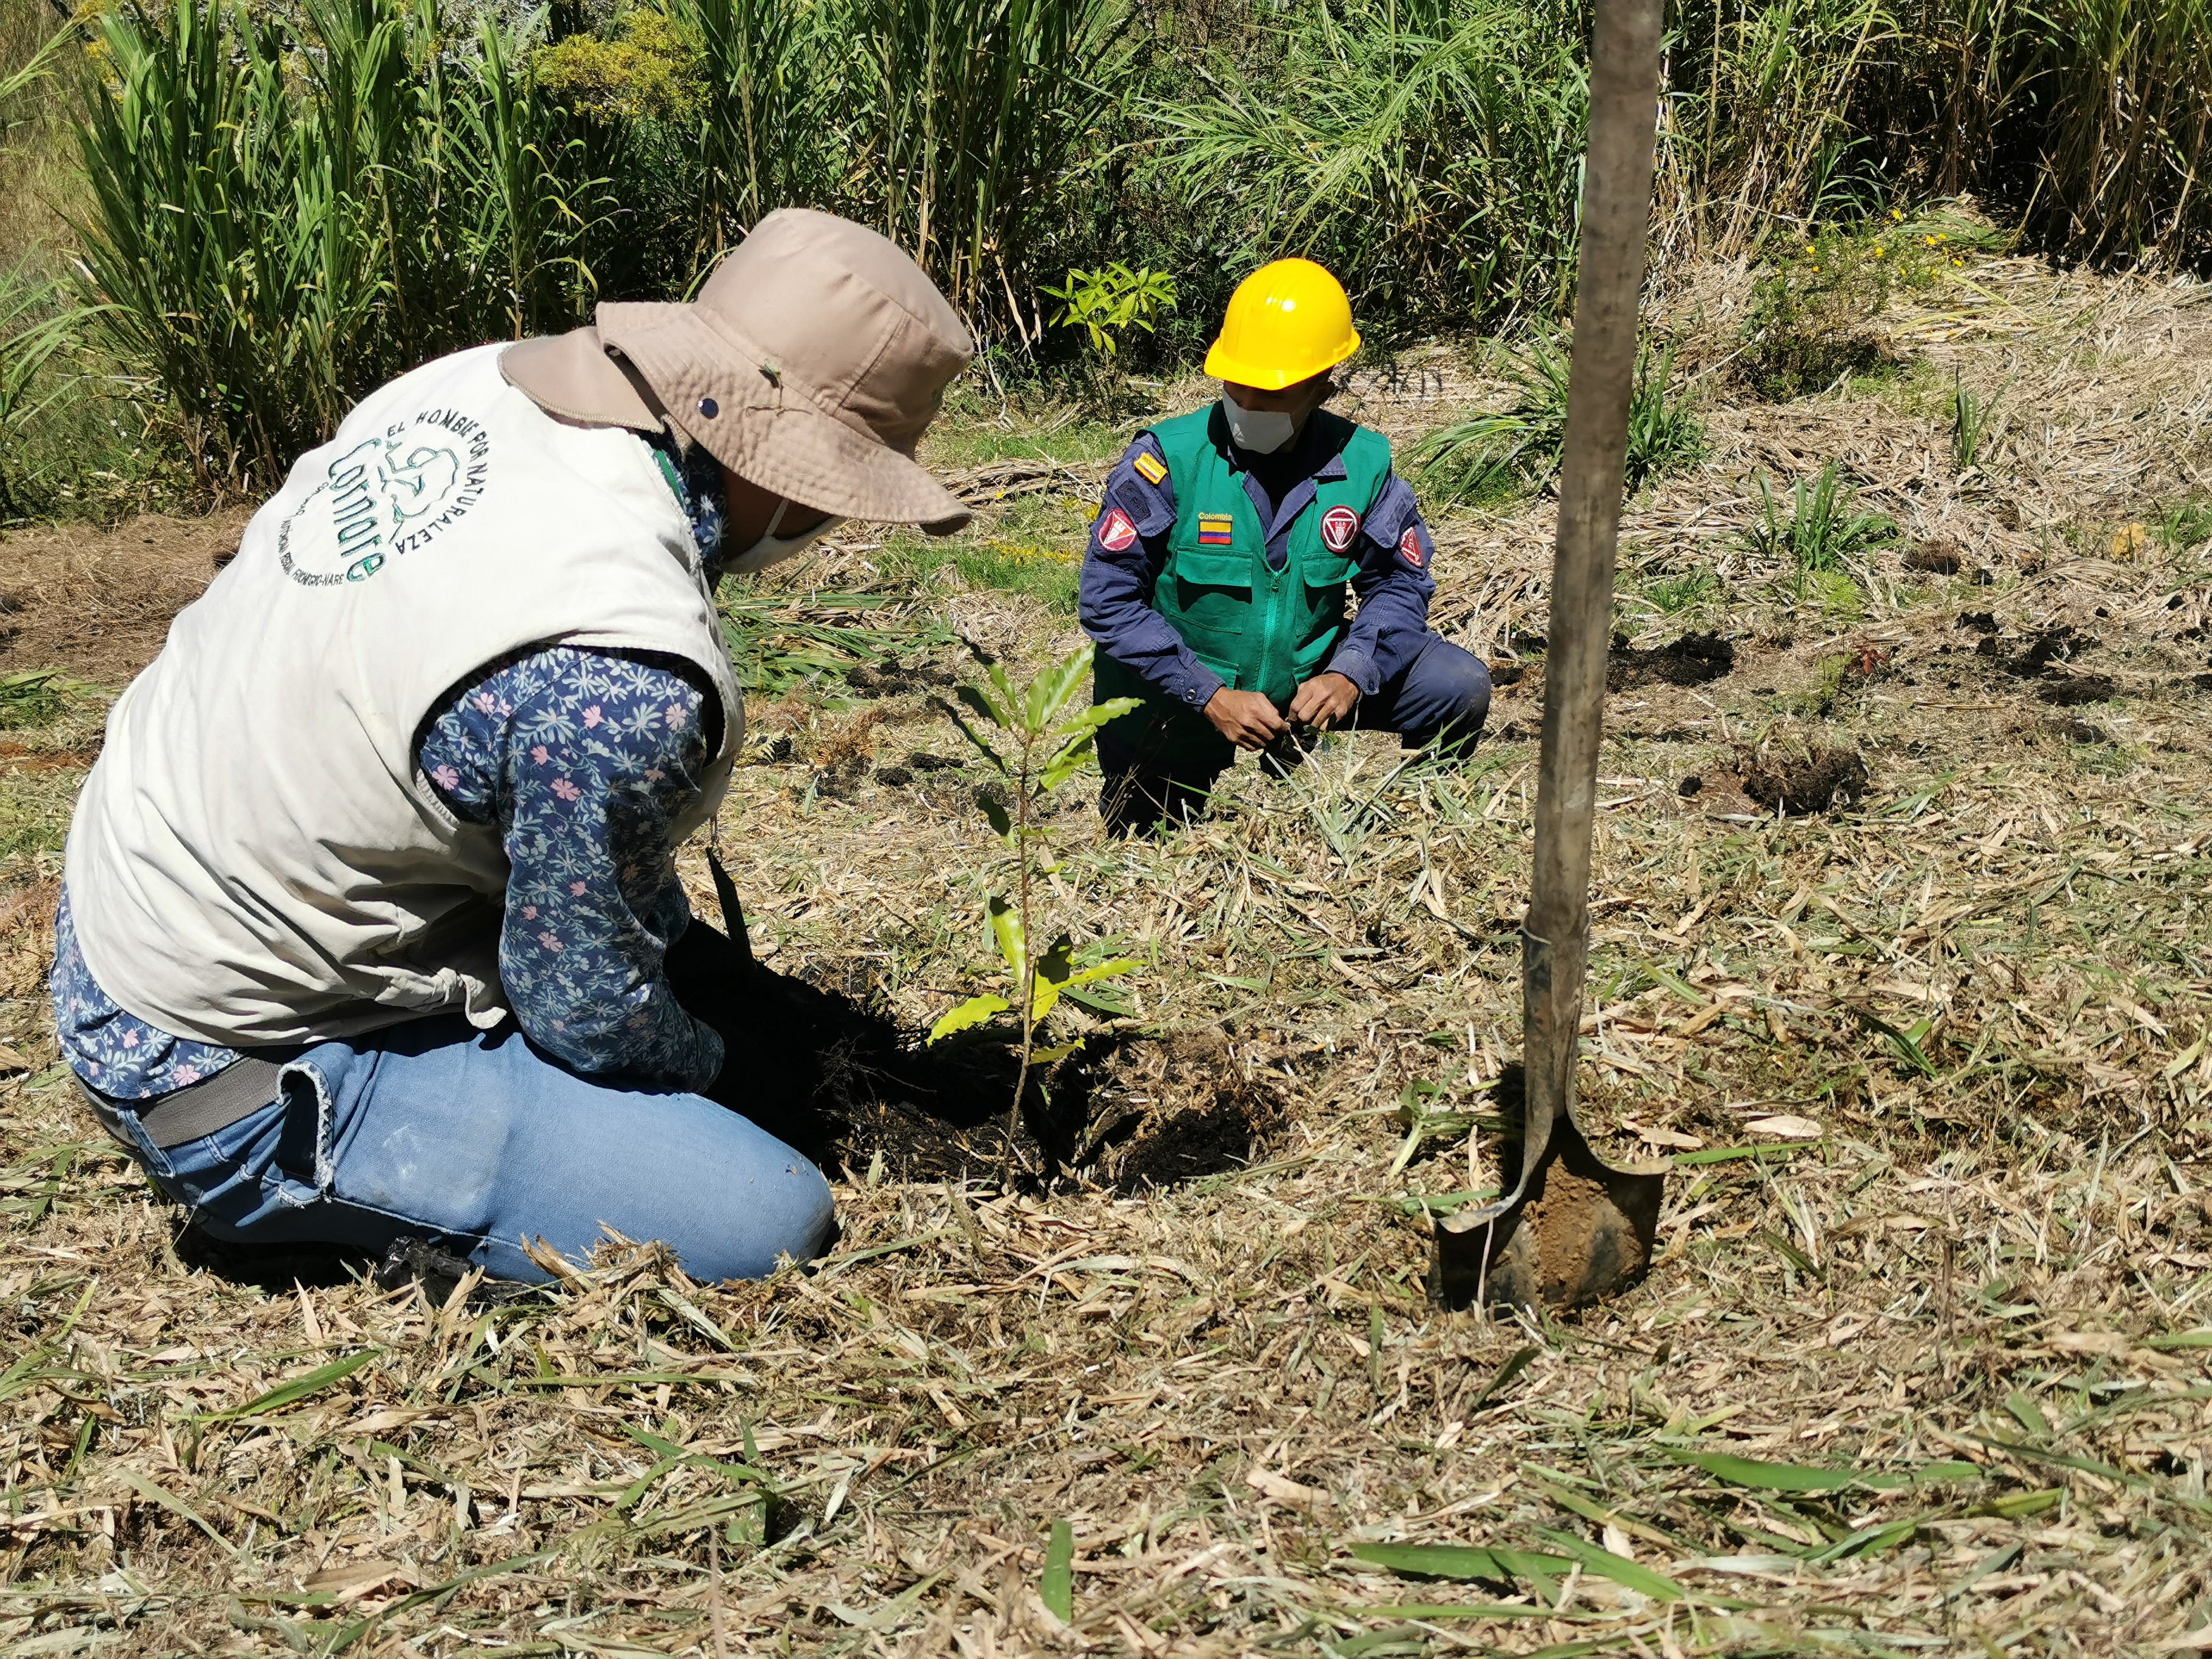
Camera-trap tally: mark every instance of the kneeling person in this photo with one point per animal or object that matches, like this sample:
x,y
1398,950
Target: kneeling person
x,y
371,927
1215,586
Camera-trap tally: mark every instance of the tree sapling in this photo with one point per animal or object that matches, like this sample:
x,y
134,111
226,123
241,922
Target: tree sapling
x,y
1035,745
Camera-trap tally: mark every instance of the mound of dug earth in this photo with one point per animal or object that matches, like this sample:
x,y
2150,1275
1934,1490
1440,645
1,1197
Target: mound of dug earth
x,y
1821,779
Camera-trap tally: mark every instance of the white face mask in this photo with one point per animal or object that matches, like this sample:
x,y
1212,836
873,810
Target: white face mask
x,y
1258,431
772,549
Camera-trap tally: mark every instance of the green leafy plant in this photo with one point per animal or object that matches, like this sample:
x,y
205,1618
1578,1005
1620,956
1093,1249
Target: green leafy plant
x,y
1106,301
1496,456
1821,531
1670,595
2185,525
37,697
1424,150
1969,426
1664,433
1811,319
38,323
285,209
1035,743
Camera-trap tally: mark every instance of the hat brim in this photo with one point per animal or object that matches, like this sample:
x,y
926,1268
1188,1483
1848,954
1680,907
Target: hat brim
x,y
769,432
1222,365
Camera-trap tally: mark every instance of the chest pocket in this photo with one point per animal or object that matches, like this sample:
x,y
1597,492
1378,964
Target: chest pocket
x,y
1323,569
1197,568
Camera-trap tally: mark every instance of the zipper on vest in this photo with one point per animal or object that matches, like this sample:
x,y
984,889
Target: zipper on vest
x,y
1272,629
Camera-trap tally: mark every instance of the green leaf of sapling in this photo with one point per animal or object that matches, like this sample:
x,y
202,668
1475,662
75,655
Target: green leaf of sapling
x,y
1009,699
1007,929
1097,971
974,1012
1065,764
1059,683
1056,964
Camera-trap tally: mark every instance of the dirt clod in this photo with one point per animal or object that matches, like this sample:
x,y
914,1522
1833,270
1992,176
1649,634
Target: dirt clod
x,y
2048,646
1822,780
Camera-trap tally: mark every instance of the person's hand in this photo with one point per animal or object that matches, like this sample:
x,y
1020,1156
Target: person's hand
x,y
1247,719
1324,700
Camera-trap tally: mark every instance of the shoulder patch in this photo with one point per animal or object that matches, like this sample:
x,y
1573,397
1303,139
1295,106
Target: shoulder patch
x,y
1116,531
1150,467
1410,545
1337,527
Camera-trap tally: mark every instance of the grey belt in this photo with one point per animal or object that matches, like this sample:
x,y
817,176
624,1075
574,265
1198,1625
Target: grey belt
x,y
240,1089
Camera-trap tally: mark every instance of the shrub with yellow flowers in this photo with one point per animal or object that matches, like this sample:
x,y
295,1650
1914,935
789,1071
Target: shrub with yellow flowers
x,y
1815,311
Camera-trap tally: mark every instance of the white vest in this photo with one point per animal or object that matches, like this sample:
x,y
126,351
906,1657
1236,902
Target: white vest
x,y
255,858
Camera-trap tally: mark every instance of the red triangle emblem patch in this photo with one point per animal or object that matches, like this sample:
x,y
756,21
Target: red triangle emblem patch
x,y
1116,531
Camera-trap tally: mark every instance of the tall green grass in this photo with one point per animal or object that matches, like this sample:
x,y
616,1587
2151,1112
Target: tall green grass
x,y
283,205
1428,150
1495,456
286,213
289,207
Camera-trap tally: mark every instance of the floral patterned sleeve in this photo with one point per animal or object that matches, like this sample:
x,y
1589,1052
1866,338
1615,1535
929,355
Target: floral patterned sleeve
x,y
583,759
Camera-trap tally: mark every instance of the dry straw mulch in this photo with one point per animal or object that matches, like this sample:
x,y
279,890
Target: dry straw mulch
x,y
1922,1365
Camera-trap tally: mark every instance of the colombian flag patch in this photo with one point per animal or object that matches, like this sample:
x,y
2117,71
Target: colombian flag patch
x,y
1149,467
1215,529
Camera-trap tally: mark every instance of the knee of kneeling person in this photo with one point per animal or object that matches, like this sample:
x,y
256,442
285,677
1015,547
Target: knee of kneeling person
x,y
1462,685
806,1214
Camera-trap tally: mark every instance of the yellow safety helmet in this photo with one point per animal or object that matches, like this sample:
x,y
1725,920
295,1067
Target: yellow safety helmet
x,y
1287,322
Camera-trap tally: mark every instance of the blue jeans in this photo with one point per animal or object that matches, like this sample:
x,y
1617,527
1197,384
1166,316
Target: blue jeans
x,y
477,1141
1442,696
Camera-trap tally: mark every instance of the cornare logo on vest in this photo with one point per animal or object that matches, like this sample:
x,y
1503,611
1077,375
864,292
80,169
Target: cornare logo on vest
x,y
386,496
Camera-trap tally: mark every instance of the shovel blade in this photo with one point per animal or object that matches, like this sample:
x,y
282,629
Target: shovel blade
x,y
1579,1231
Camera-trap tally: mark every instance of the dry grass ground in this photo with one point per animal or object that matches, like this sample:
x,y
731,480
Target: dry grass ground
x,y
1922,1365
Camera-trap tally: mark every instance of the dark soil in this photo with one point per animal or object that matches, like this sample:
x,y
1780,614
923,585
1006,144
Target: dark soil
x,y
2072,691
1823,780
826,1070
2050,645
1693,660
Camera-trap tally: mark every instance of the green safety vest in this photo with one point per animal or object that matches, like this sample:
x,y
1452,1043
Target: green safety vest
x,y
1261,630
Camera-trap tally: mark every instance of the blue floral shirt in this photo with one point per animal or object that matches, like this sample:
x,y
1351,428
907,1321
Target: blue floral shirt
x,y
583,759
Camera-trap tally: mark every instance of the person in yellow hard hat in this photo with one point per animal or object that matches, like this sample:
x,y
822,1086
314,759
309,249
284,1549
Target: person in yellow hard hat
x,y
1215,581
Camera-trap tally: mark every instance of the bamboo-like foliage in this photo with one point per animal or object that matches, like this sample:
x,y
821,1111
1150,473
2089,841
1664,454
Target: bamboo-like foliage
x,y
973,112
772,70
289,206
1431,155
285,214
2124,91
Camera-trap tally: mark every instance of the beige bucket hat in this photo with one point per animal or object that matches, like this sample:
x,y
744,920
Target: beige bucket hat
x,y
810,364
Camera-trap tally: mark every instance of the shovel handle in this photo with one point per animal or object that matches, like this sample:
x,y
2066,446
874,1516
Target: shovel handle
x,y
1616,214
1555,936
